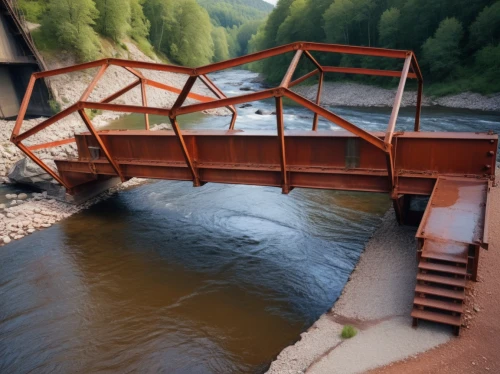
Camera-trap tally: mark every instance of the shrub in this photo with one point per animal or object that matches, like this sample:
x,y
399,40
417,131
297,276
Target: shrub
x,y
348,332
54,106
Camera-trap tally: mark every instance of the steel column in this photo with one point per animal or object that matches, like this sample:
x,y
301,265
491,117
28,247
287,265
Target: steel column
x,y
281,138
318,99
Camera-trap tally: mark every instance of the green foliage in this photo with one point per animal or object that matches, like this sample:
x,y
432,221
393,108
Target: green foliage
x,y
441,53
71,22
388,28
348,332
445,35
190,37
139,24
33,10
221,49
114,18
55,107
229,13
486,27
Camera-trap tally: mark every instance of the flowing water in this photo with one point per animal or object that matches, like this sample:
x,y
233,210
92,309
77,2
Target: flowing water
x,y
168,278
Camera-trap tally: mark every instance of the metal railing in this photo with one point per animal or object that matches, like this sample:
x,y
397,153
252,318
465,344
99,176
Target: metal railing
x,y
410,70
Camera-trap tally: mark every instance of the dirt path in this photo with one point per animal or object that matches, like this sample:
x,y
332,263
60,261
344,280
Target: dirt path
x,y
478,348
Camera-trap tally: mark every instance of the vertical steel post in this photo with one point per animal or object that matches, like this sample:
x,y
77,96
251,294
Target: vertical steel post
x,y
96,136
318,100
145,103
281,138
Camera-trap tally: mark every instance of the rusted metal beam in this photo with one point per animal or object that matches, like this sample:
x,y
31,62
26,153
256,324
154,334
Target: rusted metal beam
x,y
96,136
57,143
121,92
191,95
291,69
285,187
145,104
420,91
266,94
397,100
223,65
151,66
70,69
303,78
23,108
361,71
124,108
218,92
94,82
134,72
40,163
183,95
337,120
353,50
66,112
318,100
313,60
185,152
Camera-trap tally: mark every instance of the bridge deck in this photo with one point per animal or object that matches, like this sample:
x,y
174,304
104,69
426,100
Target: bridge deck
x,y
327,160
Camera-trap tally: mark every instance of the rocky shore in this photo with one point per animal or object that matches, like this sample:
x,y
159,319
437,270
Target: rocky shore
x,y
22,214
359,95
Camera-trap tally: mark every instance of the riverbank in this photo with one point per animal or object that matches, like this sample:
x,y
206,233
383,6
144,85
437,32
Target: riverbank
x,y
378,299
23,214
360,95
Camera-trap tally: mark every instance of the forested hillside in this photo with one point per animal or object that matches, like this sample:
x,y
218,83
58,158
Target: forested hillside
x,y
229,13
457,41
183,31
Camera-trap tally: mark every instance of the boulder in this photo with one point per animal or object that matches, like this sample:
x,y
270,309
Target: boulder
x,y
26,171
263,112
246,106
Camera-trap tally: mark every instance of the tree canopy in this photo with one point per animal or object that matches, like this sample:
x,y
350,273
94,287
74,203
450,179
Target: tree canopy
x,y
450,37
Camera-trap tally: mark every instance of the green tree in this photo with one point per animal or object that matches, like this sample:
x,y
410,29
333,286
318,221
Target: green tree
x,y
71,23
114,18
486,27
190,40
338,18
139,24
388,28
441,52
221,49
245,33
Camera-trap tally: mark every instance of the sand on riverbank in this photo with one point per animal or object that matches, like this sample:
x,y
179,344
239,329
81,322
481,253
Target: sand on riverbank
x,y
377,300
355,94
476,351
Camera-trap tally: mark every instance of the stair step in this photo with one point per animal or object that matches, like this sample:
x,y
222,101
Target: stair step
x,y
455,282
439,291
446,251
444,257
442,268
437,317
439,304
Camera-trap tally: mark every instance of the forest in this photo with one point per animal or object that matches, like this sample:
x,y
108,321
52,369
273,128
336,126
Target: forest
x,y
457,42
185,32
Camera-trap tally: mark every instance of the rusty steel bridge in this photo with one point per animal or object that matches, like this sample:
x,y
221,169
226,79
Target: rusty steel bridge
x,y
456,170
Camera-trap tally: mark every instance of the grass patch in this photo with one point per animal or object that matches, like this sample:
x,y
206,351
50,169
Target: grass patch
x,y
92,113
348,332
55,107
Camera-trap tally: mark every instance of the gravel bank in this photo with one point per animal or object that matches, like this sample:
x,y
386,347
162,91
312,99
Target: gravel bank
x,y
377,300
25,214
354,94
476,351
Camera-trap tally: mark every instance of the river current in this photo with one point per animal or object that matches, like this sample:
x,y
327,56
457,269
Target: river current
x,y
169,278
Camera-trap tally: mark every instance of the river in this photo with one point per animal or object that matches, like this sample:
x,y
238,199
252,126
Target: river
x,y
169,278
